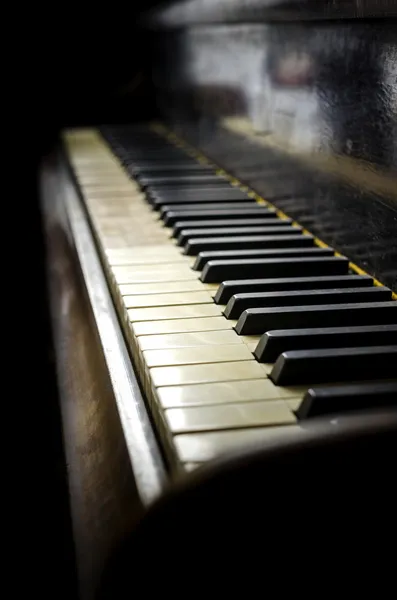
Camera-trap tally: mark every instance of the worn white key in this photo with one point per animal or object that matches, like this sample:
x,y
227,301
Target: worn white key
x,y
169,299
196,356
229,416
169,326
167,287
192,374
173,312
202,447
186,340
226,392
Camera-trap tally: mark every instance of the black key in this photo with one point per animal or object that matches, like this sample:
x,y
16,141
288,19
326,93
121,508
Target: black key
x,y
148,179
147,147
252,242
153,160
138,170
168,165
234,224
149,165
273,343
217,271
227,289
143,153
178,181
333,365
158,196
241,302
215,211
197,195
256,321
205,257
221,187
131,155
166,154
346,398
150,168
277,228
225,222
199,200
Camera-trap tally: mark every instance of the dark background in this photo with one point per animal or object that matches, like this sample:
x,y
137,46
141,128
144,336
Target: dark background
x,y
69,67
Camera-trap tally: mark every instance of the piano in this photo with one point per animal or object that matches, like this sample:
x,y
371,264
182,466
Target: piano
x,y
223,284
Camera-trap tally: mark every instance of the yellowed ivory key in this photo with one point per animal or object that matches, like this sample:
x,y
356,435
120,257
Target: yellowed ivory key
x,y
167,326
186,340
224,392
199,355
204,446
167,287
230,416
174,312
151,273
169,299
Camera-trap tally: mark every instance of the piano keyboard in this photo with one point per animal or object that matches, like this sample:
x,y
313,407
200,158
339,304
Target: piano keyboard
x,y
241,325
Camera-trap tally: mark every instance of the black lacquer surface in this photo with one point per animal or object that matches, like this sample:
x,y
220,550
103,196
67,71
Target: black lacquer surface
x,y
192,12
305,113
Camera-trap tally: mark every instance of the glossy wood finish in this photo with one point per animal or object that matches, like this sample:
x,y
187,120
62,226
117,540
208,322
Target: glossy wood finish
x,y
304,113
105,486
193,12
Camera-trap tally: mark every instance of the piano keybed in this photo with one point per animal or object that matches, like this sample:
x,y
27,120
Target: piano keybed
x,y
241,325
